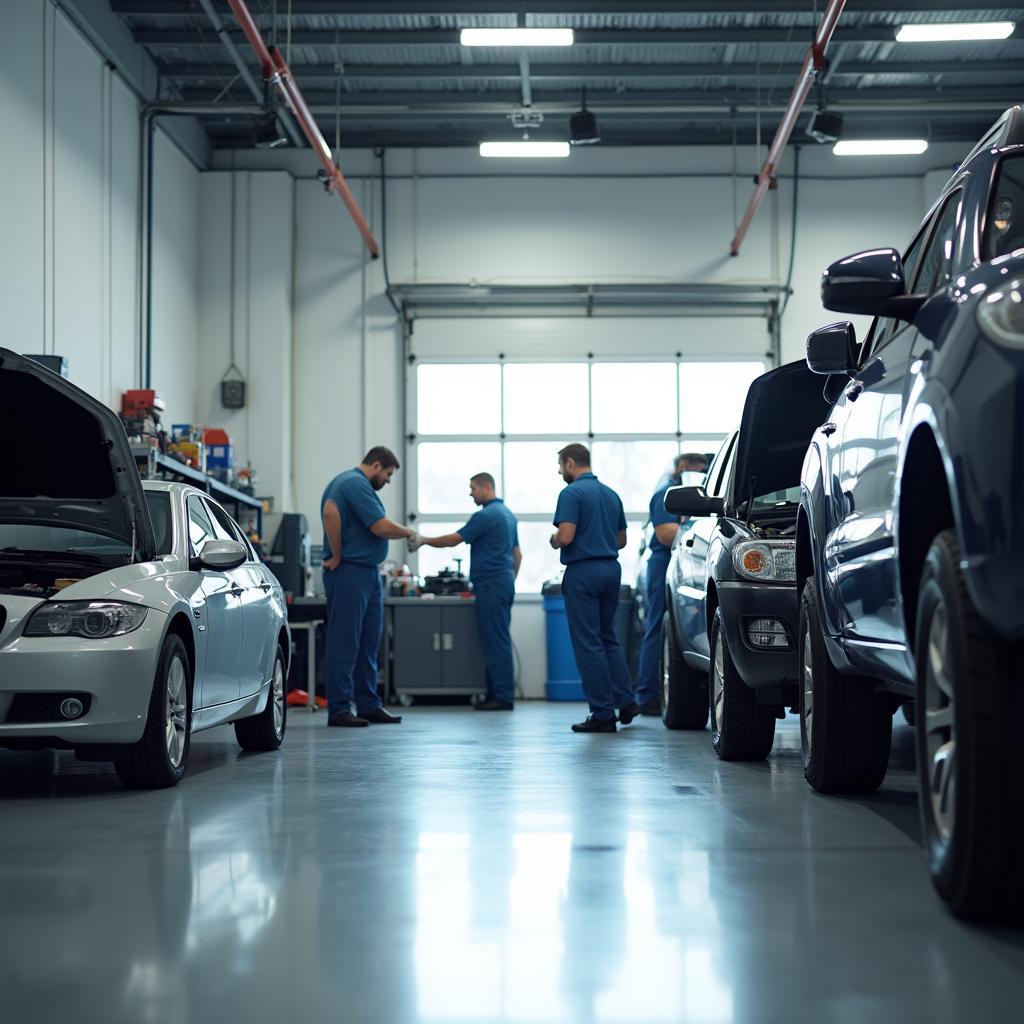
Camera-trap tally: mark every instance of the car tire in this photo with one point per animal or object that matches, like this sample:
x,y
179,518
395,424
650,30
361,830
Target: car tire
x,y
265,731
970,715
684,695
159,759
845,724
741,728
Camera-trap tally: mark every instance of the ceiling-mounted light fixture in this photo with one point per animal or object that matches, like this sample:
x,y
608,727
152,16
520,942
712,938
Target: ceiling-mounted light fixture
x,y
825,125
583,128
955,32
524,148
269,134
880,147
516,37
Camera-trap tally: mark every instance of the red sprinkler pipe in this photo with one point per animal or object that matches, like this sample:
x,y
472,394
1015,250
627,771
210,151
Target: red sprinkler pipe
x,y
277,72
813,62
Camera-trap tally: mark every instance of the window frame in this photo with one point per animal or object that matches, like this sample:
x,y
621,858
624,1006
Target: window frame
x,y
635,517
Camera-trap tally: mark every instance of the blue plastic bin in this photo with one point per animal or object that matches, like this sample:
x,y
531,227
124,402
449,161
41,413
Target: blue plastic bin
x,y
563,681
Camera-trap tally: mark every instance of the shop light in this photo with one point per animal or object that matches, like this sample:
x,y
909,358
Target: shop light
x,y
955,32
516,37
879,147
526,148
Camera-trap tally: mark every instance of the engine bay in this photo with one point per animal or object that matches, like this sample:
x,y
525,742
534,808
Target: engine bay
x,y
35,581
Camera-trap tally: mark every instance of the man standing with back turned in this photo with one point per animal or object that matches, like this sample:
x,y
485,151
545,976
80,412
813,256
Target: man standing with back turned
x,y
356,535
689,469
493,539
590,531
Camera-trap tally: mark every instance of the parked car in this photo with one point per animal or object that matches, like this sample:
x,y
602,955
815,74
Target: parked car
x,y
729,648
910,540
131,614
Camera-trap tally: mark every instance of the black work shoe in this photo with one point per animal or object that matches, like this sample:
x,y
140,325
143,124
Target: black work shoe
x,y
381,716
651,708
593,724
628,713
346,720
493,704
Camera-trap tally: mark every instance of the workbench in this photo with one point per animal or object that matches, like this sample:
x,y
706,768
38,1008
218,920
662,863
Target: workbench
x,y
429,646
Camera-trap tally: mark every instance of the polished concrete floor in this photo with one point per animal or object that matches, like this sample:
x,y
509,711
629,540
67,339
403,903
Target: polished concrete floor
x,y
475,868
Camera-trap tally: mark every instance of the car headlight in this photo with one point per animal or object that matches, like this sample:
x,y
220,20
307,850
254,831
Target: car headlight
x,y
772,560
1001,314
94,620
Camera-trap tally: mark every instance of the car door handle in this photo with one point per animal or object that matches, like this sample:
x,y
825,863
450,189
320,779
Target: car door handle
x,y
688,542
236,591
854,390
265,587
828,429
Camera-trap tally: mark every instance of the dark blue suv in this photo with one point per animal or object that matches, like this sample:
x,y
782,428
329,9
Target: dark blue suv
x,y
910,534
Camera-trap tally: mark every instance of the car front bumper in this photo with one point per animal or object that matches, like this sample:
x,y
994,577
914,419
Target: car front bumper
x,y
116,675
741,602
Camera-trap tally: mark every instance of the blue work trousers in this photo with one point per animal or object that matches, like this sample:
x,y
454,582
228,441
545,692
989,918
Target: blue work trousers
x,y
648,675
494,596
591,592
355,617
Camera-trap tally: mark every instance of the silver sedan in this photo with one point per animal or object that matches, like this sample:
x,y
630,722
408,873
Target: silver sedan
x,y
131,614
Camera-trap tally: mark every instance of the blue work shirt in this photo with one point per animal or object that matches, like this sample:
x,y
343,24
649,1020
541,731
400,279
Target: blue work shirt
x,y
598,514
492,533
659,517
360,508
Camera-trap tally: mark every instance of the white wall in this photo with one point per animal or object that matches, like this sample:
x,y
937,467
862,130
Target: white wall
x,y
69,209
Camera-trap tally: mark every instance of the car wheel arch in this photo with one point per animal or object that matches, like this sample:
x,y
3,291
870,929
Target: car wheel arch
x,y
284,642
804,551
711,606
925,488
182,628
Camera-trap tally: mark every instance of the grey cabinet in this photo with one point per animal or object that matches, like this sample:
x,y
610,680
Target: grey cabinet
x,y
435,648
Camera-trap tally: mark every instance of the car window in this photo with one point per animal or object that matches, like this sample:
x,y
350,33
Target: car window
x,y
1004,225
933,270
200,528
159,503
723,477
883,328
227,528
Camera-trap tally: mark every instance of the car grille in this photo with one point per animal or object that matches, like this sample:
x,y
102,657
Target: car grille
x,y
30,708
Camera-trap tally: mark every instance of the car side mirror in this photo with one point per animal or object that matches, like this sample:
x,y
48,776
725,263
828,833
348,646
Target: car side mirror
x,y
871,283
222,555
833,349
692,501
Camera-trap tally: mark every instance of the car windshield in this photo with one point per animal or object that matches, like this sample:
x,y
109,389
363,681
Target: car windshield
x,y
1004,226
20,541
790,496
159,503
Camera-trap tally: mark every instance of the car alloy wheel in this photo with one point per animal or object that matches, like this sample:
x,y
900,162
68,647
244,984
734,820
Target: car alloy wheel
x,y
807,707
940,724
177,711
278,697
718,684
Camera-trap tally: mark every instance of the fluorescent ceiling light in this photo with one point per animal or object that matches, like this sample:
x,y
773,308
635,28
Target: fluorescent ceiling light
x,y
879,147
516,37
527,148
955,32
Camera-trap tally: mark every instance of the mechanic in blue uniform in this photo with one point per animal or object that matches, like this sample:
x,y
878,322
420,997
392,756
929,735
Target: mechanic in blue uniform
x,y
356,535
689,468
590,530
493,537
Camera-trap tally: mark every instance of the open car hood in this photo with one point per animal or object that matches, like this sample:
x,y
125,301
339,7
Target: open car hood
x,y
69,462
783,409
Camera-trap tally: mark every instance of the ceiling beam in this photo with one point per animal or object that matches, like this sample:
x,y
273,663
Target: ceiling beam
x,y
923,100
349,39
540,72
348,8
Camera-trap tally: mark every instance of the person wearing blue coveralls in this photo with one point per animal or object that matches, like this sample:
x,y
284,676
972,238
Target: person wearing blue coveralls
x,y
666,526
590,531
493,537
356,535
